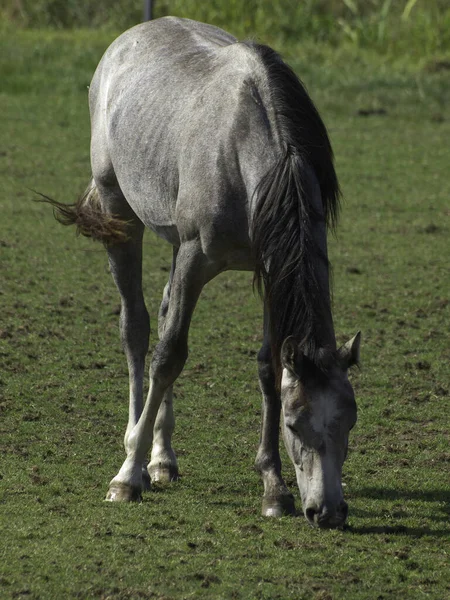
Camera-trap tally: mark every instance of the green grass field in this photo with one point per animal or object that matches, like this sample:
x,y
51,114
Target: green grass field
x,y
63,378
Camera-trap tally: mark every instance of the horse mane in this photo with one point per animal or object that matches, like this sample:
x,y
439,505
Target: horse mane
x,y
286,253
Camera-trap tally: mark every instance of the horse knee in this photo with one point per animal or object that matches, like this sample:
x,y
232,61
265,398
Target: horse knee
x,y
169,358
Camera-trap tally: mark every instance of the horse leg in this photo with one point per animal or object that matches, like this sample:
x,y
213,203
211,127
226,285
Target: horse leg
x,y
277,500
125,261
163,463
167,363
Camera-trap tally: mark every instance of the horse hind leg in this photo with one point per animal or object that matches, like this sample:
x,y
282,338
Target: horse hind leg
x,y
167,363
163,466
103,213
125,260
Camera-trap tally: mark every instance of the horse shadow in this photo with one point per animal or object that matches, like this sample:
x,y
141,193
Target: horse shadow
x,y
375,493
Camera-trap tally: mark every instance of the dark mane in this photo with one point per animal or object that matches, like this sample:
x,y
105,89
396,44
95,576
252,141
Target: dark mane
x,y
286,253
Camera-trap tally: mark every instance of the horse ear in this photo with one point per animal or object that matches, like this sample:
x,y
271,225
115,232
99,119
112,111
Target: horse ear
x,y
291,356
349,352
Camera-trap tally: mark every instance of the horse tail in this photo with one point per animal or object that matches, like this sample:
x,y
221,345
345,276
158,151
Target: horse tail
x,y
89,218
286,254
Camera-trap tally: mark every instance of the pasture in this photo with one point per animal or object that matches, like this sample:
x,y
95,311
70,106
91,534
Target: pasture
x,y
64,383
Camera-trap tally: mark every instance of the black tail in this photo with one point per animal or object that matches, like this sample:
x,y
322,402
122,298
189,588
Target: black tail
x,y
87,215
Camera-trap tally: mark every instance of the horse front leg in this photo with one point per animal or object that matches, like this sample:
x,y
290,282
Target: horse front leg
x,y
277,500
167,363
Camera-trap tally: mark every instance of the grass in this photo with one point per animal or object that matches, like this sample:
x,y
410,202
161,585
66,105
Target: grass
x,y
64,384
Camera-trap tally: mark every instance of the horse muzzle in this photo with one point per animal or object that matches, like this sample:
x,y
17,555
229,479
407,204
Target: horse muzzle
x,y
325,517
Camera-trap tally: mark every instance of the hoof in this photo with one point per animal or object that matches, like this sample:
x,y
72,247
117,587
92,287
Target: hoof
x,y
280,506
163,473
121,492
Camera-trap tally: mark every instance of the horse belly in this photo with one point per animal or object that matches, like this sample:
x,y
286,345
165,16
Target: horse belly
x,y
145,170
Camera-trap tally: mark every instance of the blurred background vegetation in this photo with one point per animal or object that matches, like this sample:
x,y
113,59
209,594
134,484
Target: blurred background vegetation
x,y
387,26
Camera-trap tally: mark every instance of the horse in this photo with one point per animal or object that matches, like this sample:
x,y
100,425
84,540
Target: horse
x,y
215,145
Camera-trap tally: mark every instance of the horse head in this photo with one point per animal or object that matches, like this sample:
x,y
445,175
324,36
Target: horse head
x,y
318,412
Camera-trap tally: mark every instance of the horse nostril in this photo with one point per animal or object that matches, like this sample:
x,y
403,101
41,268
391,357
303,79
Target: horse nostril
x,y
324,517
311,514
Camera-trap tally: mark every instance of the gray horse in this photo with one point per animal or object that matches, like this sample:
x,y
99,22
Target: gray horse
x,y
215,145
